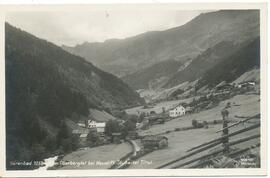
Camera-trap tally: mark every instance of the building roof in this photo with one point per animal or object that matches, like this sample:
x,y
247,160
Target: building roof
x,y
246,82
83,135
92,122
116,134
97,124
177,106
80,131
100,124
100,116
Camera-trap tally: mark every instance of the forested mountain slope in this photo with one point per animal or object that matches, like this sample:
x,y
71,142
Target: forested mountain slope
x,y
45,85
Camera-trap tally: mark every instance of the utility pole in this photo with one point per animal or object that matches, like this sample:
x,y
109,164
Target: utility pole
x,y
225,142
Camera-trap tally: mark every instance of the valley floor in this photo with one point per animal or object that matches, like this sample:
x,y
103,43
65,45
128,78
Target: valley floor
x,y
101,157
179,141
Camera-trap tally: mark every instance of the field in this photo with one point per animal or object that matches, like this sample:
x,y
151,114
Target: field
x,y
99,157
181,141
242,105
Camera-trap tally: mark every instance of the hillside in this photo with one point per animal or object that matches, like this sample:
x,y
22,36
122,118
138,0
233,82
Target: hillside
x,y
234,66
169,74
100,116
45,85
202,63
251,75
238,63
130,55
153,76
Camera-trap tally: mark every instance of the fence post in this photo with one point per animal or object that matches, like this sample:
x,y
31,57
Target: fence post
x,y
225,141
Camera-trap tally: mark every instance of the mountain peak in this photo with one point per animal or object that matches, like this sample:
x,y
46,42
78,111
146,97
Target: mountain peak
x,y
124,56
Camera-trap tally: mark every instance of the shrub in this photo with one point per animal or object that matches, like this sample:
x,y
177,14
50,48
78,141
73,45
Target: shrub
x,y
194,123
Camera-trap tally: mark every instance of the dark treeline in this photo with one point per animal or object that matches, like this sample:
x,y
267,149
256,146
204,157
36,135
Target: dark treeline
x,y
36,93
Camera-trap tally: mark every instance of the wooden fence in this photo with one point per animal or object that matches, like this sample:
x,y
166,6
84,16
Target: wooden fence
x,y
224,141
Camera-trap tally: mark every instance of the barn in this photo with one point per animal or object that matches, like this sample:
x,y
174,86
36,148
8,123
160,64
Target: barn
x,y
153,141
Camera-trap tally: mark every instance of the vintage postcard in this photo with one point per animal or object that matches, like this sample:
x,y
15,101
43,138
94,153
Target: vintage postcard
x,y
134,90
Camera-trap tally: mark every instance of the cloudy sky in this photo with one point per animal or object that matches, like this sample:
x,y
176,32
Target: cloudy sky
x,y
71,28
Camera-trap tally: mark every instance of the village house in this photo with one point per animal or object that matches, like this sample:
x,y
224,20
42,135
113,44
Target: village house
x,y
99,126
153,141
81,124
189,109
91,124
248,84
83,136
80,131
177,111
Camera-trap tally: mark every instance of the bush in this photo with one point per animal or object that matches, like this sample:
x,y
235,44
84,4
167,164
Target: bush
x,y
168,131
194,123
112,126
200,125
93,139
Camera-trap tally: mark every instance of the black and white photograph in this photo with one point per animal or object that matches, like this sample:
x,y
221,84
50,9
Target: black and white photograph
x,y
135,89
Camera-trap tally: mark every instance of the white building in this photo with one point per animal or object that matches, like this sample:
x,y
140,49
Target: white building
x,y
246,84
177,111
92,124
100,126
81,124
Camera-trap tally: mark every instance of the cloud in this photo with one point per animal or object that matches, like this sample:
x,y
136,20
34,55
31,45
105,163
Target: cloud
x,y
71,28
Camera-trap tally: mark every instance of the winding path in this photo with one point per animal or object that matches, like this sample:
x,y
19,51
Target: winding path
x,y
125,160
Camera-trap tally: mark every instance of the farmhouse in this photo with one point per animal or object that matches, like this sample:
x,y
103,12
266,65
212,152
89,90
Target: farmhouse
x,y
99,126
153,141
189,109
81,124
247,84
80,131
157,120
177,111
83,135
91,124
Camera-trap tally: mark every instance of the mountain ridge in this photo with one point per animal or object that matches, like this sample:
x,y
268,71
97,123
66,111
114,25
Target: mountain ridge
x,y
127,56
